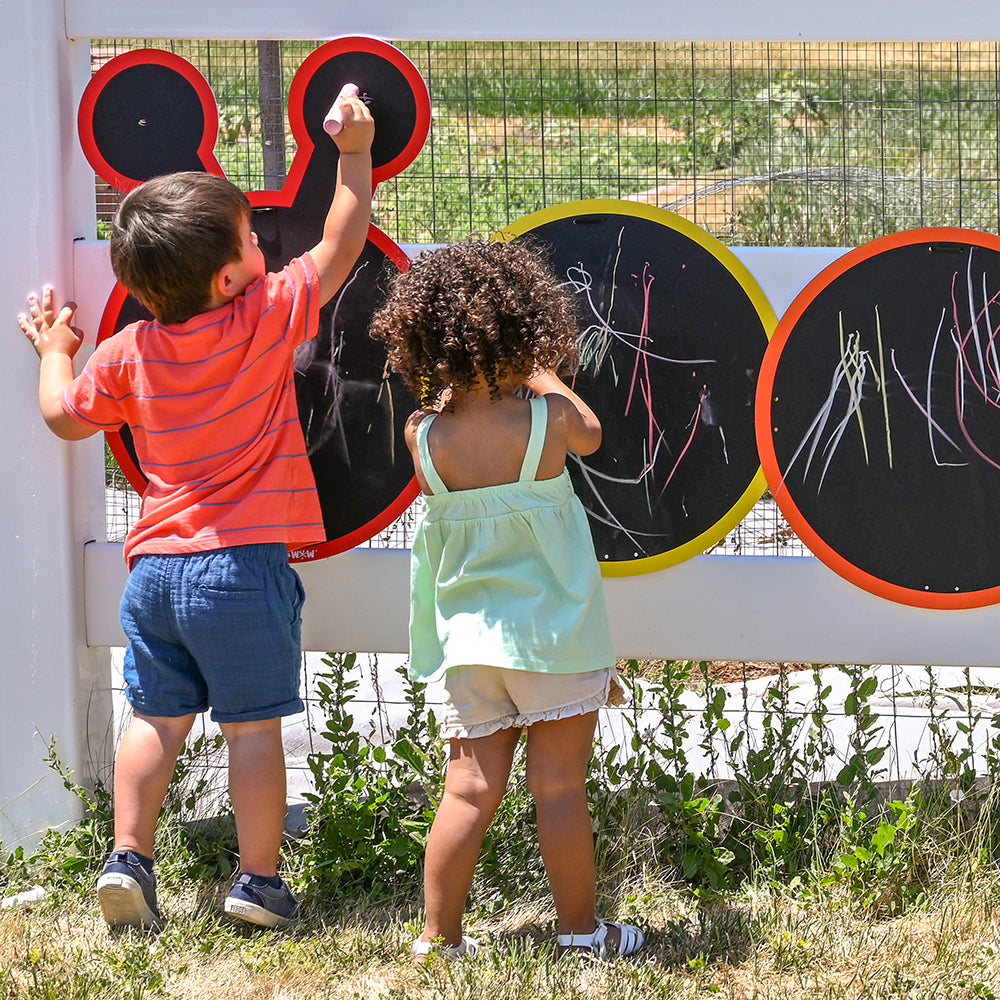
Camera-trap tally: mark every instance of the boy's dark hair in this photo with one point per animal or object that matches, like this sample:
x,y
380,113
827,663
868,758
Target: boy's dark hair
x,y
476,308
171,235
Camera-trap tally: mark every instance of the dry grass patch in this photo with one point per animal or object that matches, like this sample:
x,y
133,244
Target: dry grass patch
x,y
823,951
762,944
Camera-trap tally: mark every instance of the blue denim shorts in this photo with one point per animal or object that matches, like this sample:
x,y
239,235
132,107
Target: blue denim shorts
x,y
220,629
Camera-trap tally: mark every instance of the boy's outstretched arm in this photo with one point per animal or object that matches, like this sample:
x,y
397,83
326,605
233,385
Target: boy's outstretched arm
x,y
346,226
56,342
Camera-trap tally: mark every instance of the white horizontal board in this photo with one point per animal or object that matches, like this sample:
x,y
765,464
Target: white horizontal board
x,y
781,272
725,20
788,609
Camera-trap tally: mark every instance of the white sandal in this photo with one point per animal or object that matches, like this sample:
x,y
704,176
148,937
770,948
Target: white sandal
x,y
630,940
467,946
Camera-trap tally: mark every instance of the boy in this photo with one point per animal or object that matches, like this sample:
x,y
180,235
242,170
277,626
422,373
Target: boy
x,y
212,607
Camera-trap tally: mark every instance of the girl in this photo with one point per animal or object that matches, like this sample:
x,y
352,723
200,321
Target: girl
x,y
506,595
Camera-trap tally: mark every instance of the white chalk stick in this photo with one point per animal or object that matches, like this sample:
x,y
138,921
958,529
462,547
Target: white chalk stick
x,y
334,121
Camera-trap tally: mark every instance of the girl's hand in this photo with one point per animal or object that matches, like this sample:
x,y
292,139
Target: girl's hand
x,y
542,382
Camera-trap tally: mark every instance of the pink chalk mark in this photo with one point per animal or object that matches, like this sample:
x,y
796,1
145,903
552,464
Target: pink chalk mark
x,y
647,282
694,428
965,339
962,367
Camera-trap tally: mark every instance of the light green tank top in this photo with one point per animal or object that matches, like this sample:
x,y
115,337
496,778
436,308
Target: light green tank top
x,y
506,575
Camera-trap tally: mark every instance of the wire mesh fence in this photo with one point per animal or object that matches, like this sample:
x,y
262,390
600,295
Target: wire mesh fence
x,y
780,144
760,143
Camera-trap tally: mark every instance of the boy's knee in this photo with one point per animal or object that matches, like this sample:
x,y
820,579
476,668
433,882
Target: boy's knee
x,y
256,727
169,728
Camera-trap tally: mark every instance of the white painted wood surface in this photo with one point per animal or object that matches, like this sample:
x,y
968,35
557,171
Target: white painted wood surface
x,y
723,20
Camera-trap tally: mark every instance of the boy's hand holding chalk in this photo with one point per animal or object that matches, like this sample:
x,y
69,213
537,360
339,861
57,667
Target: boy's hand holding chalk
x,y
334,120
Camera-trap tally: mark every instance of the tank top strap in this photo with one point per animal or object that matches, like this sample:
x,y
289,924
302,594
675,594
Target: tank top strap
x,y
434,481
536,439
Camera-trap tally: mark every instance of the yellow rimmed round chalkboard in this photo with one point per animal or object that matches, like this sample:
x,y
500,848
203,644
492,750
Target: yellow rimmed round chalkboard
x,y
674,328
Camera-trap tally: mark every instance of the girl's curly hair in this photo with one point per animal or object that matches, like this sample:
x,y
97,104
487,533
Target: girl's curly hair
x,y
476,308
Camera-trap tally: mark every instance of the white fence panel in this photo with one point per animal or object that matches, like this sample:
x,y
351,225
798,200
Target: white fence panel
x,y
54,502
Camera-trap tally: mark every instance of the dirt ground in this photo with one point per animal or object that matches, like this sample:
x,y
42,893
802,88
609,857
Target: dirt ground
x,y
728,671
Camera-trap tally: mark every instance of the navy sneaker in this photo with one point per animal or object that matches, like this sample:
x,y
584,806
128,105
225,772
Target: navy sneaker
x,y
127,892
253,900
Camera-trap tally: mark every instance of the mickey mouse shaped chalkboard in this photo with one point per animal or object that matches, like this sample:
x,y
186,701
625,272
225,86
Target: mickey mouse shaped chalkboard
x,y
149,112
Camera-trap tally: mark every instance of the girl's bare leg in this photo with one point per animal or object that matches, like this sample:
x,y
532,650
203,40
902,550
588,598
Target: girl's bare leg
x,y
474,786
558,756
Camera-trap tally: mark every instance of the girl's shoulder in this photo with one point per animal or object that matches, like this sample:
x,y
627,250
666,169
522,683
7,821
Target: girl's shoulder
x,y
414,420
418,415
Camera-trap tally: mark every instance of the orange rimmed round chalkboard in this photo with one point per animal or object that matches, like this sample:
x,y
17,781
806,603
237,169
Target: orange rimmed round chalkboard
x,y
878,417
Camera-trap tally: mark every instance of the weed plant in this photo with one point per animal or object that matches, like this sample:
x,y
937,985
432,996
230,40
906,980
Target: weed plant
x,y
763,854
781,799
372,805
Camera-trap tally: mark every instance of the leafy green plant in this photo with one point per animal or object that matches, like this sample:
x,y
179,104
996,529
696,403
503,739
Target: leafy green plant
x,y
881,863
67,853
681,815
763,803
372,805
868,745
695,822
782,807
985,840
951,757
201,849
714,723
691,812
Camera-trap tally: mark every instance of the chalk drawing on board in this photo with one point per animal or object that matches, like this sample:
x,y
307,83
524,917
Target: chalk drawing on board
x,y
673,330
878,417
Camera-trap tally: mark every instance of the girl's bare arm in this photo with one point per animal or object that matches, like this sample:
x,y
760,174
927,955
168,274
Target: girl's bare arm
x,y
583,429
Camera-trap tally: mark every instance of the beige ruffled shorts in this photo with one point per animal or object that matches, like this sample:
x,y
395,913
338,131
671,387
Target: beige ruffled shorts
x,y
481,700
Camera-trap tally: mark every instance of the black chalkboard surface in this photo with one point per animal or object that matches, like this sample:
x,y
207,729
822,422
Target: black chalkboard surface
x,y
149,112
879,417
674,329
353,411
